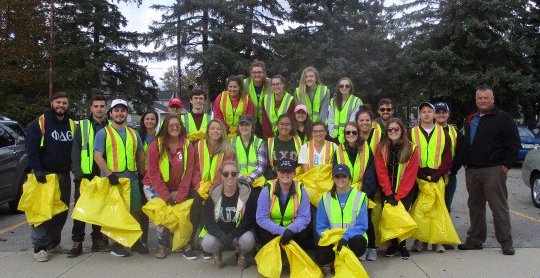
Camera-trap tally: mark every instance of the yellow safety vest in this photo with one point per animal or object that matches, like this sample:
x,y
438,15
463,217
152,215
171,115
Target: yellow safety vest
x,y
209,165
257,102
344,218
430,152
453,133
87,146
269,101
328,150
189,123
119,154
41,123
360,163
297,145
342,116
375,137
314,108
164,162
401,167
291,208
246,161
231,115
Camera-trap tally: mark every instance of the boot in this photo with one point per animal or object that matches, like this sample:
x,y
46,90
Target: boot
x,y
76,250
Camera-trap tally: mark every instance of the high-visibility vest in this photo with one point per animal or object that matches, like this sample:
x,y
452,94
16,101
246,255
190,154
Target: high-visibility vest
x,y
291,208
209,165
453,133
344,218
360,163
189,123
119,154
314,108
297,145
232,115
401,167
165,164
376,136
328,150
41,123
257,101
87,146
430,152
342,116
246,161
269,101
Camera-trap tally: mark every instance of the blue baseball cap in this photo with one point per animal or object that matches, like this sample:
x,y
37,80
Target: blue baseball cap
x,y
286,164
341,169
442,106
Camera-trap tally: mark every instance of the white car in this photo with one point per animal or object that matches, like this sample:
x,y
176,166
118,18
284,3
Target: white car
x,y
530,171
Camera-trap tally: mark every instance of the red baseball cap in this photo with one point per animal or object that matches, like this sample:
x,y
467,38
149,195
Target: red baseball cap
x,y
175,102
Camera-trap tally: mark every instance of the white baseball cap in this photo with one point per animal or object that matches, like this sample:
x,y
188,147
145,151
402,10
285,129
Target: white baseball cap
x,y
119,102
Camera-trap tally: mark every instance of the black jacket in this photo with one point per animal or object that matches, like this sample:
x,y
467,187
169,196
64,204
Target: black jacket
x,y
496,141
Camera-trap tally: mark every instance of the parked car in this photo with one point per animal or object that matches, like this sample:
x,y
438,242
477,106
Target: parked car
x,y
14,164
528,141
530,172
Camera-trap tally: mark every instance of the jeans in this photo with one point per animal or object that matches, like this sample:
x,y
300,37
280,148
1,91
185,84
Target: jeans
x,y
449,191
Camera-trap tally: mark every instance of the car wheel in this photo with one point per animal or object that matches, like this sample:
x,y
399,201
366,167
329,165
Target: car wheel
x,y
535,191
15,203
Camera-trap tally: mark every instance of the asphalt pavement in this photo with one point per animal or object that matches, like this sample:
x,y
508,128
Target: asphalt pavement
x,y
16,251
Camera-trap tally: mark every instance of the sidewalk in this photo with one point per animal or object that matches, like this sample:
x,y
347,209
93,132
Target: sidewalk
x,y
479,263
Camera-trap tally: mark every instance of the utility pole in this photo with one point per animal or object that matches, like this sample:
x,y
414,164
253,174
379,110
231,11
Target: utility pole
x,y
51,47
179,49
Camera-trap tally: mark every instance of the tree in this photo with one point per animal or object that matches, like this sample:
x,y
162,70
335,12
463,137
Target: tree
x,y
189,79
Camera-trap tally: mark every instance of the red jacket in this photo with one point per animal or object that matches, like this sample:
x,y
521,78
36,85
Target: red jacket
x,y
218,114
407,181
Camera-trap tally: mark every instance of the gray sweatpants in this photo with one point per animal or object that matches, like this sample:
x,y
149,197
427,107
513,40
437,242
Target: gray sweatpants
x,y
245,243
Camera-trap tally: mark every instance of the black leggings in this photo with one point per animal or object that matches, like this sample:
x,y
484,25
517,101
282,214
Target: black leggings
x,y
326,255
304,238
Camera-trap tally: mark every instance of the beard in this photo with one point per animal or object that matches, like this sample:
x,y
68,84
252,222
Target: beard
x,y
119,121
59,112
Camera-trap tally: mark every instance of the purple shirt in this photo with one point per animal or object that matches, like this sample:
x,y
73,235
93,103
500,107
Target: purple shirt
x,y
303,215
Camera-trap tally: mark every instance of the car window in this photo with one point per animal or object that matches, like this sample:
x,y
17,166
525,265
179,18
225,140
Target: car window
x,y
524,132
5,138
17,128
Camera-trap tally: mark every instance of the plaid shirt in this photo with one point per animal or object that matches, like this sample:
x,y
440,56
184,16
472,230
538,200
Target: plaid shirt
x,y
262,163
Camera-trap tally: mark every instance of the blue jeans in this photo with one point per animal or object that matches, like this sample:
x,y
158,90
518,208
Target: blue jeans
x,y
449,191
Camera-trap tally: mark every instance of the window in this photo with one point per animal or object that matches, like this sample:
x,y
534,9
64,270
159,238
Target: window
x,y
5,139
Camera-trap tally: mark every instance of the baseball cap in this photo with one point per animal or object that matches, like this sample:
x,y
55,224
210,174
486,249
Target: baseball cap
x,y
300,107
442,106
341,169
285,164
175,102
425,103
246,119
117,102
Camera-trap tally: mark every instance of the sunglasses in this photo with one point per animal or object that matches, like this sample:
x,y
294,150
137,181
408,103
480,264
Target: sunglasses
x,y
385,109
233,174
345,86
349,132
393,129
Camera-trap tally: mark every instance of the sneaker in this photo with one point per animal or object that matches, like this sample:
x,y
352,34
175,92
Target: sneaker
x,y
55,249
449,246
508,248
418,246
364,256
391,251
218,262
242,263
100,245
207,256
470,246
140,247
190,255
76,250
41,256
405,255
439,248
371,254
119,250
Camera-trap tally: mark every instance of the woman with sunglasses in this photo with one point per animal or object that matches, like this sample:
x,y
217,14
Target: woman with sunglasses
x,y
229,218
232,103
318,151
313,94
343,108
303,123
396,164
370,131
171,172
285,145
356,154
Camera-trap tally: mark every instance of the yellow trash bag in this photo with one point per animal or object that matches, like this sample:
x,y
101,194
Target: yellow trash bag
x,y
258,182
204,189
357,185
268,259
232,132
376,214
301,264
430,213
346,263
317,181
396,223
196,136
175,218
40,202
331,236
107,206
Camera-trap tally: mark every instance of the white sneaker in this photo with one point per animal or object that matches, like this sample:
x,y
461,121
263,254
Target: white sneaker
x,y
41,256
364,256
371,254
439,248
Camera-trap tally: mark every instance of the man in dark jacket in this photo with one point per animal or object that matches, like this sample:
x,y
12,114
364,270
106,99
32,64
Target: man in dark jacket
x,y
490,148
48,144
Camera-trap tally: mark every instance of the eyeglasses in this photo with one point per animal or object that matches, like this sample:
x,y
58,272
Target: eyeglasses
x,y
349,132
226,174
385,109
345,86
393,129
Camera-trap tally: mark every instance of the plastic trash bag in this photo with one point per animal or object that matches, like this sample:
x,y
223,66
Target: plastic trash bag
x,y
196,136
40,202
376,215
108,206
268,259
346,263
258,182
204,189
301,264
430,213
331,236
174,218
317,181
396,223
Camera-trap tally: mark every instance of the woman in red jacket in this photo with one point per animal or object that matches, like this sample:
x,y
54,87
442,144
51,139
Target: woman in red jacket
x,y
233,103
396,163
174,183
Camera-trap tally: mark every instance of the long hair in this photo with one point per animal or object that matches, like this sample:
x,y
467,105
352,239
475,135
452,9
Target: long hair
x,y
224,144
237,79
142,129
293,123
338,97
164,135
308,126
406,149
359,139
302,90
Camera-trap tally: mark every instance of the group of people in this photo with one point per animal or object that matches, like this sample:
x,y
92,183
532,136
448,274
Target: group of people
x,y
239,165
